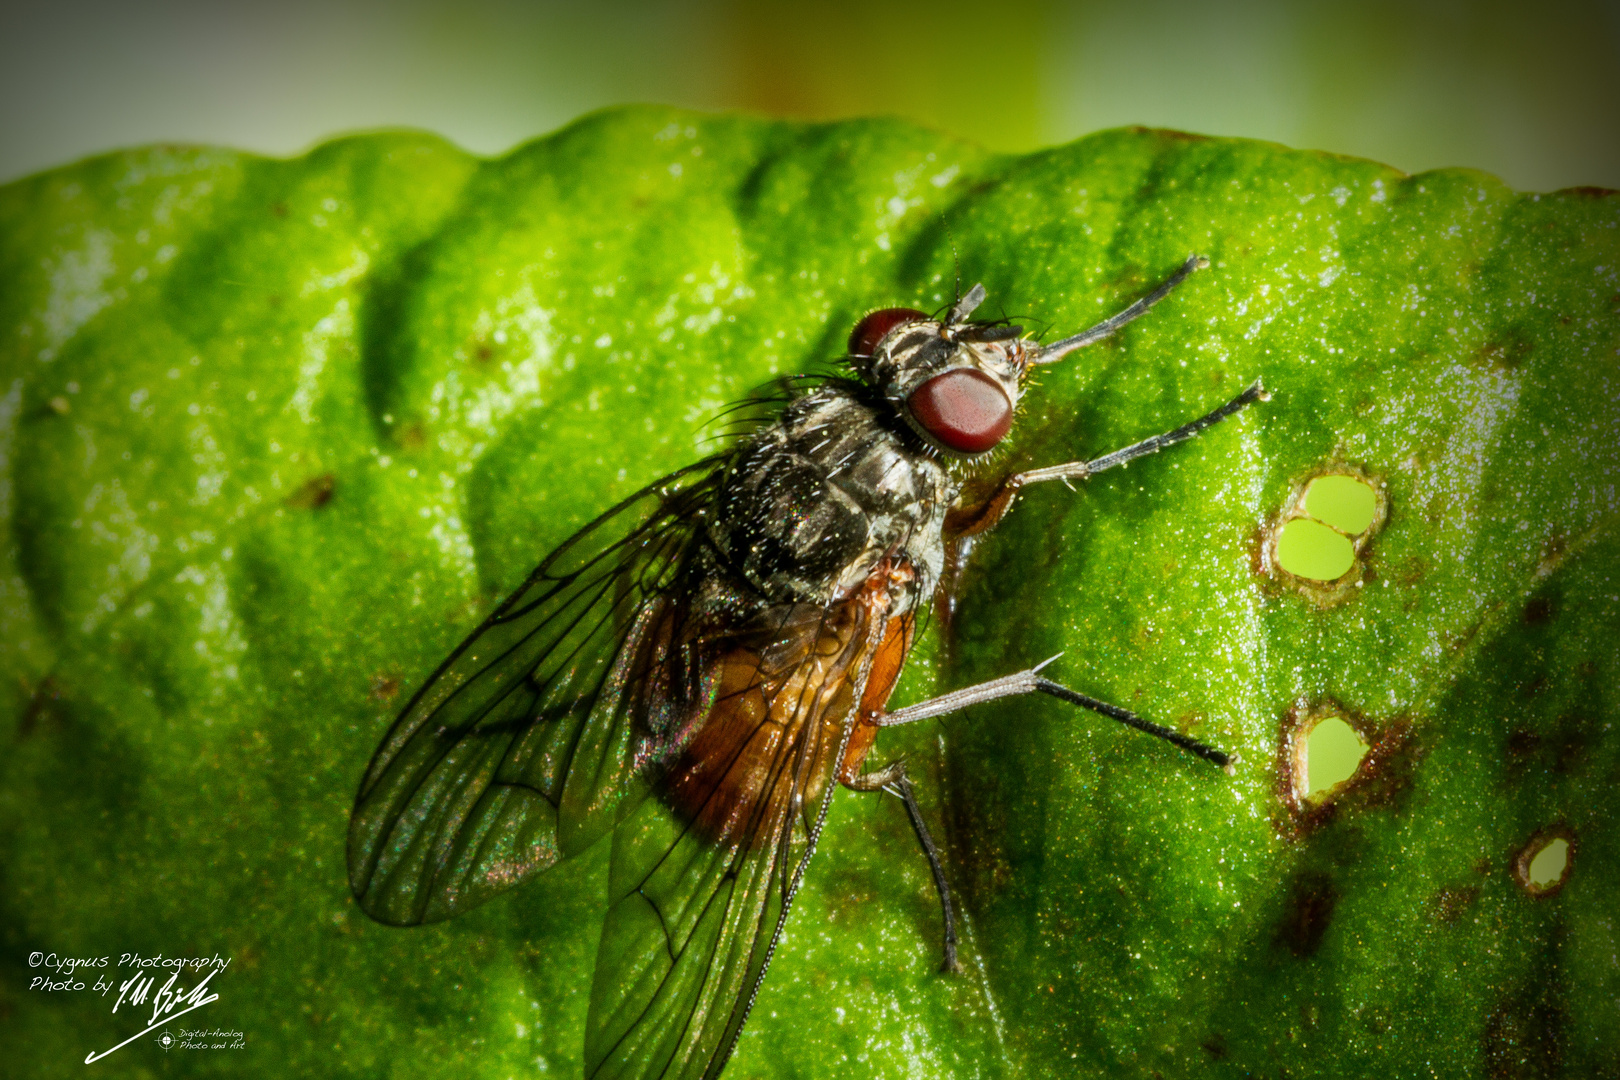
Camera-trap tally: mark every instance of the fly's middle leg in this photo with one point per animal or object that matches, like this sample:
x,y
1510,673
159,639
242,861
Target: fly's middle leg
x,y
968,521
892,778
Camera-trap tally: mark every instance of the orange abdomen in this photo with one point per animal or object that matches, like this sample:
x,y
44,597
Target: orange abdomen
x,y
771,735
886,667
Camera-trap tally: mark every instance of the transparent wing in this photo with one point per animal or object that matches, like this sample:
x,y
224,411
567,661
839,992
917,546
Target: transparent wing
x,y
703,875
517,751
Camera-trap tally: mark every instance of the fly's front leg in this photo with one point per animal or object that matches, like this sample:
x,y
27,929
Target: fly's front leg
x,y
892,778
966,522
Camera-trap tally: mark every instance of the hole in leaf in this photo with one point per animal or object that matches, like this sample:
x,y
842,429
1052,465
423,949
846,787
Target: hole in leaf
x,y
1333,760
1542,866
1347,503
1317,541
1309,549
1548,866
1331,752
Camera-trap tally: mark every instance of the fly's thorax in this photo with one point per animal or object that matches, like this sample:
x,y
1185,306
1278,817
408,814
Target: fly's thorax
x,y
812,503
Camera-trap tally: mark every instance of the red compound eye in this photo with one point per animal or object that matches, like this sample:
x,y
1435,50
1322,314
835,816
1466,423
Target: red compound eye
x,y
964,409
863,340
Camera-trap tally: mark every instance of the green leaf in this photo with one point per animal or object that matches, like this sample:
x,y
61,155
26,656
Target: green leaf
x,y
276,433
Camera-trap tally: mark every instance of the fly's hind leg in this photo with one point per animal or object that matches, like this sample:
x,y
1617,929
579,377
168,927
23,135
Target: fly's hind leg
x,y
892,778
1032,682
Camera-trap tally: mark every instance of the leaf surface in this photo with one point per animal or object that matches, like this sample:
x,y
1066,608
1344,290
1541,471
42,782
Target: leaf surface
x,y
275,435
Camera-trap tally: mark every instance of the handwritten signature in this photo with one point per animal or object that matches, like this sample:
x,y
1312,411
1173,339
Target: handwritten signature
x,y
168,1003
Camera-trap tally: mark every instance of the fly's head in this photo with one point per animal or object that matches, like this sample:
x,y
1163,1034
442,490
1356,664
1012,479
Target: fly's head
x,y
955,381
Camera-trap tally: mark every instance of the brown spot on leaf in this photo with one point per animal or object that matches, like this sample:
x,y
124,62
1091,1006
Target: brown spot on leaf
x,y
279,209
1259,548
1524,1035
413,436
1586,191
1449,903
249,956
1507,351
1539,611
1522,743
852,897
1459,641
1559,748
385,687
1553,551
1570,747
313,493
1410,571
1307,913
40,706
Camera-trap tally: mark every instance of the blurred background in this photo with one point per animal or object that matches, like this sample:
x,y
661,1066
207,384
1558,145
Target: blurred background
x,y
1530,92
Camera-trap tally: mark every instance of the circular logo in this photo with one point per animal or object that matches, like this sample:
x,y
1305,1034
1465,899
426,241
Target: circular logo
x,y
165,1040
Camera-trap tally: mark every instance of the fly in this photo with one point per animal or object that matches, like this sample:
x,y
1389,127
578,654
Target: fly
x,y
695,671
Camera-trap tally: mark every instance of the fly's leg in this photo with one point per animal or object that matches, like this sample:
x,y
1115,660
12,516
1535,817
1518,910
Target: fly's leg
x,y
1051,354
1031,682
892,778
969,521
964,522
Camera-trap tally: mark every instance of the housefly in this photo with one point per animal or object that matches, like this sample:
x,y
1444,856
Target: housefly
x,y
696,670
